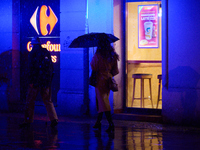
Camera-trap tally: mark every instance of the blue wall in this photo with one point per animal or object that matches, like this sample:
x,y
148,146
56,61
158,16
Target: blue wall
x,y
73,24
181,71
6,25
100,19
5,52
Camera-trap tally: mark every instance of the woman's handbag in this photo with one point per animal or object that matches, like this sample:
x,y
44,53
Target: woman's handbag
x,y
93,78
113,84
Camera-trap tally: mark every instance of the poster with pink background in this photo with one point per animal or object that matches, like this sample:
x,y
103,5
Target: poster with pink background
x,y
148,26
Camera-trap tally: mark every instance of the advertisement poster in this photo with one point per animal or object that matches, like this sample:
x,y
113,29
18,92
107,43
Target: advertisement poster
x,y
148,24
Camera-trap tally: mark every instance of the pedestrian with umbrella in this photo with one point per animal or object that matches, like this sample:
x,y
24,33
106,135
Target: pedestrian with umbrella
x,y
104,62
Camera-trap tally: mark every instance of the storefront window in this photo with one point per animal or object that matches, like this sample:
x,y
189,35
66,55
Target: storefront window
x,y
143,49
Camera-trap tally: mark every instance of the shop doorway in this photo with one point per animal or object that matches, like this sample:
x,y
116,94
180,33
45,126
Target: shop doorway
x,y
143,53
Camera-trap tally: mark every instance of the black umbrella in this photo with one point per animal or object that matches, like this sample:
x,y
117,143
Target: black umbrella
x,y
91,40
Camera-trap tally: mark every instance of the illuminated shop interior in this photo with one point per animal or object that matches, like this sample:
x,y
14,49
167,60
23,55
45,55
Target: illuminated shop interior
x,y
142,60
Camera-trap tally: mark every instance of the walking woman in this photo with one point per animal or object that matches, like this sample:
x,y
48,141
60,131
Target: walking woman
x,y
104,62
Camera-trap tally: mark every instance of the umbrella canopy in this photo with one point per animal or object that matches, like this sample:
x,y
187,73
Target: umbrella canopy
x,y
91,40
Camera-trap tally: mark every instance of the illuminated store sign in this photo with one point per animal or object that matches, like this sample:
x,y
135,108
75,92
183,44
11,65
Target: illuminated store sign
x,y
44,26
44,20
50,47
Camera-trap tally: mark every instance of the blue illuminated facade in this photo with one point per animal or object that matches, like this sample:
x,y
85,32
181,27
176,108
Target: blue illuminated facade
x,y
180,57
180,62
75,95
71,93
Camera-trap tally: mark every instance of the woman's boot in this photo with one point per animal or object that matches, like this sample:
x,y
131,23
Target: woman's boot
x,y
98,122
111,127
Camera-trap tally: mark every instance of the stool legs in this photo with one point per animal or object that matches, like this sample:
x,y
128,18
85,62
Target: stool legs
x,y
158,92
134,81
142,94
150,92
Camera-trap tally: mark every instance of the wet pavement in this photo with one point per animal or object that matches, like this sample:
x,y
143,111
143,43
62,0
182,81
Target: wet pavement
x,y
77,133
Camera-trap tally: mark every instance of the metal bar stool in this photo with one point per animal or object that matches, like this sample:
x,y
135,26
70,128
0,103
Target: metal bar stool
x,y
159,77
142,77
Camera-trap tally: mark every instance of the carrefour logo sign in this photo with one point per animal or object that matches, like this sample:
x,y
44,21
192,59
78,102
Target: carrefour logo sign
x,y
44,20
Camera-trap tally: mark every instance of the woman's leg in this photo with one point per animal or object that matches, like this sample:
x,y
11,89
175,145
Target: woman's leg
x,y
111,124
98,122
99,117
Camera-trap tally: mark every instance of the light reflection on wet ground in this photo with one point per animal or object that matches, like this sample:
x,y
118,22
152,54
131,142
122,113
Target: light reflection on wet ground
x,y
73,133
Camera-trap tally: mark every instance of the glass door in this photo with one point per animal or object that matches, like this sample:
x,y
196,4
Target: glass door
x,y
143,49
